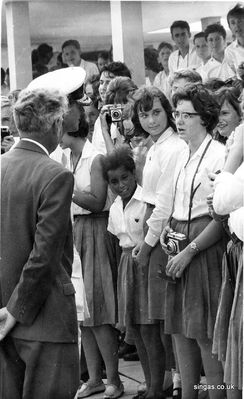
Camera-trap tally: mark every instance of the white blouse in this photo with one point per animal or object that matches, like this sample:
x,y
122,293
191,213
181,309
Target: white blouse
x,y
127,223
212,161
157,184
229,199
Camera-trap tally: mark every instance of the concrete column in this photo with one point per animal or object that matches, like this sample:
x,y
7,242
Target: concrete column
x,y
19,46
209,21
127,37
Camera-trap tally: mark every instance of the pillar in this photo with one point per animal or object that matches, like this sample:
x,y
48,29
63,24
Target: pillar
x,y
19,46
127,37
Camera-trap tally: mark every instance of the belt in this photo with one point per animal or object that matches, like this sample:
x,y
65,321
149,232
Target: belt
x,y
92,215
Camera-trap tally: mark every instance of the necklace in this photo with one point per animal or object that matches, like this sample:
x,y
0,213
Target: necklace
x,y
76,163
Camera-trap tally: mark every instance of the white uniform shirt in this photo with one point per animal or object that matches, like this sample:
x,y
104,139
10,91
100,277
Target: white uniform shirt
x,y
162,82
127,223
190,61
215,69
90,68
158,179
212,161
229,199
98,140
234,55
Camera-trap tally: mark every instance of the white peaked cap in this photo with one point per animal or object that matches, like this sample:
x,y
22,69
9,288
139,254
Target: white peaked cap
x,y
66,80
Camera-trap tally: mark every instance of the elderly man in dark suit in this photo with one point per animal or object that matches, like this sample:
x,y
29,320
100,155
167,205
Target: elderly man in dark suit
x,y
38,325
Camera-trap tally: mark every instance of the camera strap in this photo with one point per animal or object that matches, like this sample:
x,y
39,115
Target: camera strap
x,y
192,191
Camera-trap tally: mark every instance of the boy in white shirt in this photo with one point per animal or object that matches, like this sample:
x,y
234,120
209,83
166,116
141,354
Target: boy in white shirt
x,y
234,53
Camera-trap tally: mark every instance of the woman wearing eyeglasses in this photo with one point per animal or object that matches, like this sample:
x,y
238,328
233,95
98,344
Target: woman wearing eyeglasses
x,y
195,268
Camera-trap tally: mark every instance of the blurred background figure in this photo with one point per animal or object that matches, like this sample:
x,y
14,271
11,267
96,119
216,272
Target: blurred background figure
x,y
161,79
71,53
103,58
152,66
234,53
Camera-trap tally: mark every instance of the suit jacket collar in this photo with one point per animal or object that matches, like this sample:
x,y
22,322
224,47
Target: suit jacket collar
x,y
30,146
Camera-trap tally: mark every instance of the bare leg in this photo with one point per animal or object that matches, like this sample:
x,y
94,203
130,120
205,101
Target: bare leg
x,y
189,358
107,342
156,356
142,353
92,354
213,370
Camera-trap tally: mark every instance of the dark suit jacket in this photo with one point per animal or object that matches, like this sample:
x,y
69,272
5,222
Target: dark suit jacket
x,y
36,245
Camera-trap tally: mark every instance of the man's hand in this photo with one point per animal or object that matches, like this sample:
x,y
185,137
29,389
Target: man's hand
x,y
143,255
7,322
7,143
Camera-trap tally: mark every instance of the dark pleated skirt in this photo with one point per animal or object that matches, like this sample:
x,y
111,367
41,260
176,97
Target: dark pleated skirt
x,y
191,304
233,372
90,241
229,273
132,291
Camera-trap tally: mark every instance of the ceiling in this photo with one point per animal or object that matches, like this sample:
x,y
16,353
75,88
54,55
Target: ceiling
x,y
89,21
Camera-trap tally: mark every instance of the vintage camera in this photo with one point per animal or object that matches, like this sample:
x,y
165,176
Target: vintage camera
x,y
115,112
175,242
5,132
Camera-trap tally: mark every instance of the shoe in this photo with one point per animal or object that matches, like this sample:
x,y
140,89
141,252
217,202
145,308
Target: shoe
x,y
177,393
88,389
131,357
113,392
142,388
169,391
125,349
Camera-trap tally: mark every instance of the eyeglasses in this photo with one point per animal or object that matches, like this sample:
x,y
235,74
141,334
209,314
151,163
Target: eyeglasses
x,y
184,115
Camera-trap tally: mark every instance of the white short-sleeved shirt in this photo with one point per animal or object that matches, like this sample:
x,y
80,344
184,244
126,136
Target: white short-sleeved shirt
x,y
90,68
162,82
98,140
212,161
234,55
215,69
190,61
229,199
127,223
157,184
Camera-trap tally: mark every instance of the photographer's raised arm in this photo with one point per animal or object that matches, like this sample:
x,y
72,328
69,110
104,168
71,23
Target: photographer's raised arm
x,y
106,129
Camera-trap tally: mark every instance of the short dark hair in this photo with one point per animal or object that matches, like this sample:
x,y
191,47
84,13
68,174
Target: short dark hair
x,y
237,11
121,156
213,28
118,90
104,54
144,98
71,42
188,74
117,69
43,49
198,35
165,44
180,24
231,95
203,102
214,84
151,59
83,129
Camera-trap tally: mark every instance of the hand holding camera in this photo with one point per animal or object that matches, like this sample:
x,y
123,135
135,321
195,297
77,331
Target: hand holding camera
x,y
7,139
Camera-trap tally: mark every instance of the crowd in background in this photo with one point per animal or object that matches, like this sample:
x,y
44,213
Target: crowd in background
x,y
157,209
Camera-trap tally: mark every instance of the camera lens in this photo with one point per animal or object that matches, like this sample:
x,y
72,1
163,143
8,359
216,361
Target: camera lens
x,y
171,247
116,114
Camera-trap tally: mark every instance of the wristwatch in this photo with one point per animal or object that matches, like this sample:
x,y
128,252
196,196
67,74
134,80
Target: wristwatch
x,y
194,247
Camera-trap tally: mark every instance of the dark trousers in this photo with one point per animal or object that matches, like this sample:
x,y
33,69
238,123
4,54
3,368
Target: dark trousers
x,y
38,370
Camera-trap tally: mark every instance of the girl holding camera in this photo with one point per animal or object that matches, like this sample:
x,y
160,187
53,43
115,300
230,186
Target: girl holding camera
x,y
195,267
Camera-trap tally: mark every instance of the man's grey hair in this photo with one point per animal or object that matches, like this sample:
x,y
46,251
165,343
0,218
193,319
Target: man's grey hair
x,y
36,110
